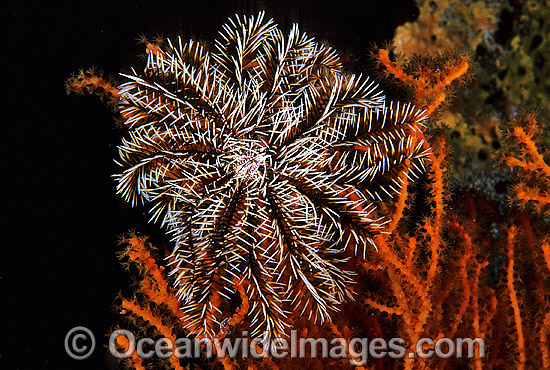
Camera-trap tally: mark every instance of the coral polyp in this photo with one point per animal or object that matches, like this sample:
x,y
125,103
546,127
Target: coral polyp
x,y
264,160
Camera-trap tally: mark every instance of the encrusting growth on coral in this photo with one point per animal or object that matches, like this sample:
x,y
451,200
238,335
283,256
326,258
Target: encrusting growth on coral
x,y
449,25
447,263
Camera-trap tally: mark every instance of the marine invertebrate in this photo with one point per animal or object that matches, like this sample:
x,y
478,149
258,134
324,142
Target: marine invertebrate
x,y
431,79
263,159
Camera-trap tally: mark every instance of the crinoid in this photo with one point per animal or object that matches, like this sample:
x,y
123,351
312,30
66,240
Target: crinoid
x,y
264,160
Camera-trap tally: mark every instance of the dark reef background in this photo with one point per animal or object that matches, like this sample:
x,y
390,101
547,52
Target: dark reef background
x,y
61,215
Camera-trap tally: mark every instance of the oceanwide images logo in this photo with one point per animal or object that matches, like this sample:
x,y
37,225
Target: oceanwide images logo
x,y
80,344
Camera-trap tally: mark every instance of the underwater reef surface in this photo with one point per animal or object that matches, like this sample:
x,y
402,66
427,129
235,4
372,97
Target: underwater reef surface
x,y
510,48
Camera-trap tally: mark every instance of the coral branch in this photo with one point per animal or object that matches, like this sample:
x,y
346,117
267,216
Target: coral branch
x,y
529,164
134,308
154,284
514,300
134,361
431,79
93,82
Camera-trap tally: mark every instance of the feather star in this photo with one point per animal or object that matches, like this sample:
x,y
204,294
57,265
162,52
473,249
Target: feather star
x,y
264,160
